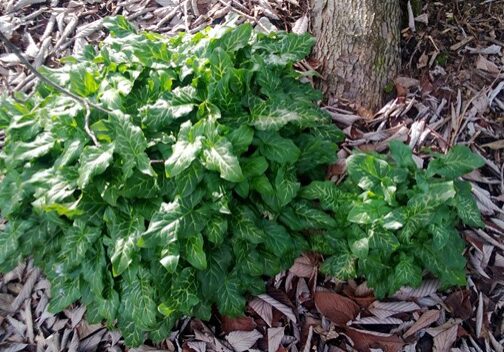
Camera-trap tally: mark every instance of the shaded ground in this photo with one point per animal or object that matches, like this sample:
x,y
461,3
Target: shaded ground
x,y
451,91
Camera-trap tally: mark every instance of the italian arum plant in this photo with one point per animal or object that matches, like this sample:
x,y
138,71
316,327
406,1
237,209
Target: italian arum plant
x,y
187,198
396,221
202,173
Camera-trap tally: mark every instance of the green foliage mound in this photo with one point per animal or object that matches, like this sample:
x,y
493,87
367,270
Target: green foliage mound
x,y
188,198
396,221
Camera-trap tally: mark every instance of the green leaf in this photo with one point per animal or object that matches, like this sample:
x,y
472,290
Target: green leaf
x,y
340,266
262,185
171,107
220,63
407,273
22,151
163,113
12,192
184,153
246,228
93,271
249,261
9,238
94,161
219,260
219,157
270,116
276,148
118,26
64,291
130,144
243,189
138,296
457,162
467,209
139,186
402,154
92,207
124,232
241,138
328,243
314,152
286,49
384,241
178,218
183,294
360,248
131,333
286,186
216,230
72,151
277,239
79,240
325,191
194,252
231,302
437,194
441,235
82,81
309,217
234,39
164,329
367,170
187,181
254,166
394,220
368,212
170,257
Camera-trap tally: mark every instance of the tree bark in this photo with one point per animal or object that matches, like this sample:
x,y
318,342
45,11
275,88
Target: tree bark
x,y
357,47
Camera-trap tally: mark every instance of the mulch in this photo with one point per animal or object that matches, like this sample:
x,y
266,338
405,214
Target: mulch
x,y
450,91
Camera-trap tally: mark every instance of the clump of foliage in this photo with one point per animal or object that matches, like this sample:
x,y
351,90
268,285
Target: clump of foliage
x,y
188,198
396,221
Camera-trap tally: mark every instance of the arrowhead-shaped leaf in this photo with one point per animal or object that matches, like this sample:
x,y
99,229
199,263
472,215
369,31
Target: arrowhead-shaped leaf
x,y
94,161
194,252
130,144
276,148
231,302
407,273
183,154
138,296
124,231
219,157
457,162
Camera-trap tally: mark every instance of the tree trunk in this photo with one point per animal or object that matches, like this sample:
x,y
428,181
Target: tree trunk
x,y
357,47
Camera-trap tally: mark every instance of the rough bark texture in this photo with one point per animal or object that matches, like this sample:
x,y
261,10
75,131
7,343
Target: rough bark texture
x,y
357,47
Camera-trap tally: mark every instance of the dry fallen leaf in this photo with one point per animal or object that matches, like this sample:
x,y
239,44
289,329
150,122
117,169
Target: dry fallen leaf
x,y
287,311
275,336
243,340
239,323
301,25
337,308
365,340
263,309
459,304
444,340
303,266
425,320
486,65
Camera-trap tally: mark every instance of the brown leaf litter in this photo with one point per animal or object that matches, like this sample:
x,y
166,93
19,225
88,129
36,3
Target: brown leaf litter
x,y
451,91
